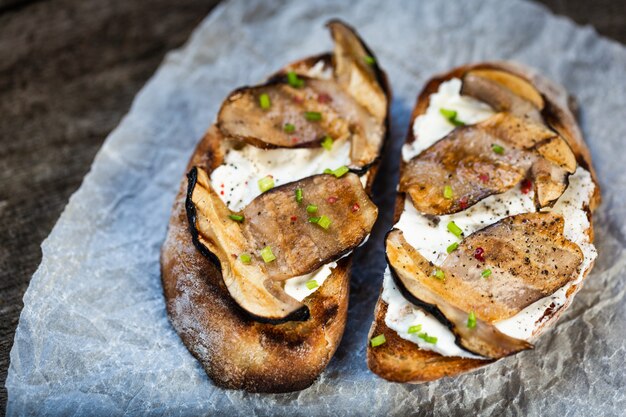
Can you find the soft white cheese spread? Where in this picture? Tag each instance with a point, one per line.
(431, 237)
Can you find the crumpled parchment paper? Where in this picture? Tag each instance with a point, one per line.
(94, 337)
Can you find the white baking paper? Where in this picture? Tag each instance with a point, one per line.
(94, 338)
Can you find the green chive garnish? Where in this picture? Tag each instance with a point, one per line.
(454, 229)
(266, 183)
(289, 128)
(369, 60)
(314, 219)
(378, 340)
(311, 284)
(294, 80)
(299, 195)
(497, 149)
(236, 217)
(450, 115)
(427, 339)
(486, 273)
(339, 172)
(327, 143)
(471, 320)
(452, 247)
(264, 101)
(267, 254)
(311, 208)
(313, 116)
(439, 274)
(324, 222)
(447, 192)
(245, 258)
(415, 329)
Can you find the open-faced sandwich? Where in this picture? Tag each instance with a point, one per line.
(493, 234)
(256, 261)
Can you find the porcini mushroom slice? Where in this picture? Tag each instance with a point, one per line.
(334, 216)
(502, 96)
(465, 163)
(300, 245)
(289, 117)
(217, 236)
(527, 256)
(357, 71)
(415, 278)
(472, 163)
(317, 109)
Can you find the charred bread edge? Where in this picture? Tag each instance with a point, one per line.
(287, 367)
(400, 360)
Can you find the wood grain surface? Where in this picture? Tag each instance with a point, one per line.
(69, 70)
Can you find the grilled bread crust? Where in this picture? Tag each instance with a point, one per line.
(398, 359)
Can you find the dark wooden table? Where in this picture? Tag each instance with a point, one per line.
(69, 70)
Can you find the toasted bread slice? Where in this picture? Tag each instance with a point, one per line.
(400, 360)
(236, 351)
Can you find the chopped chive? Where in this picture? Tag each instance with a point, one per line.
(327, 143)
(486, 273)
(267, 254)
(427, 339)
(369, 60)
(245, 258)
(452, 247)
(313, 116)
(324, 222)
(339, 172)
(266, 183)
(415, 329)
(236, 217)
(454, 229)
(378, 340)
(312, 284)
(311, 208)
(451, 115)
(314, 219)
(299, 195)
(439, 274)
(289, 128)
(471, 320)
(264, 101)
(294, 80)
(497, 149)
(447, 192)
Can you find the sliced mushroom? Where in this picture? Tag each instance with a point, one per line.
(356, 70)
(222, 240)
(504, 92)
(275, 220)
(415, 278)
(528, 257)
(294, 117)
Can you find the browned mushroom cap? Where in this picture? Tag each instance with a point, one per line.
(415, 278)
(529, 259)
(468, 162)
(344, 217)
(504, 92)
(277, 220)
(465, 162)
(221, 240)
(295, 117)
(356, 70)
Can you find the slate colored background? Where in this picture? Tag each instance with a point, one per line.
(69, 70)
